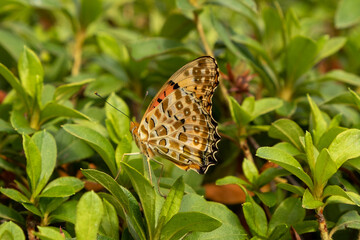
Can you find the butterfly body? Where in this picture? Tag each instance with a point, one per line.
(178, 125)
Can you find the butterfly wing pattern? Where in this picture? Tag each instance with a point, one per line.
(178, 124)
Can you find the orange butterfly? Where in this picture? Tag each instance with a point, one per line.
(178, 124)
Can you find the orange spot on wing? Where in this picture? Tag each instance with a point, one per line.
(168, 90)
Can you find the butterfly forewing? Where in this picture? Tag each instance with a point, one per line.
(178, 124)
(200, 77)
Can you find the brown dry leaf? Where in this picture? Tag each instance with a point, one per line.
(227, 194)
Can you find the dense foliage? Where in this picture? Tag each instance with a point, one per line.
(287, 105)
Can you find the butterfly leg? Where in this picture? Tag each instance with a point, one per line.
(122, 159)
(161, 173)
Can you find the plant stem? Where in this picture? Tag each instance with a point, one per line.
(200, 30)
(79, 40)
(30, 227)
(322, 224)
(245, 148)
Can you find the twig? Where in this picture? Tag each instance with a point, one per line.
(322, 224)
(79, 40)
(200, 30)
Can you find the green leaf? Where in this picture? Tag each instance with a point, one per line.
(177, 26)
(62, 187)
(291, 188)
(230, 229)
(280, 232)
(255, 218)
(65, 91)
(14, 195)
(33, 161)
(286, 161)
(173, 200)
(265, 105)
(308, 226)
(66, 212)
(147, 48)
(48, 205)
(345, 146)
(289, 212)
(185, 5)
(238, 114)
(311, 151)
(341, 76)
(9, 230)
(12, 43)
(268, 198)
(33, 209)
(309, 201)
(287, 109)
(288, 131)
(117, 123)
(108, 83)
(15, 84)
(146, 194)
(347, 13)
(110, 222)
(318, 120)
(46, 144)
(49, 233)
(356, 98)
(330, 47)
(6, 127)
(53, 110)
(255, 46)
(109, 45)
(325, 167)
(245, 8)
(10, 167)
(329, 136)
(11, 214)
(171, 205)
(250, 171)
(99, 143)
(248, 105)
(89, 11)
(31, 74)
(233, 180)
(289, 148)
(89, 212)
(185, 222)
(295, 66)
(269, 174)
(350, 219)
(71, 148)
(116, 71)
(334, 190)
(124, 199)
(19, 123)
(123, 147)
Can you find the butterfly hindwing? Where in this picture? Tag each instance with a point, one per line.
(186, 133)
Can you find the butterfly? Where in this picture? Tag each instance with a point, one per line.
(178, 124)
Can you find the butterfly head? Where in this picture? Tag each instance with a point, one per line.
(134, 127)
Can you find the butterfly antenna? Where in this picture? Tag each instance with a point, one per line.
(111, 105)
